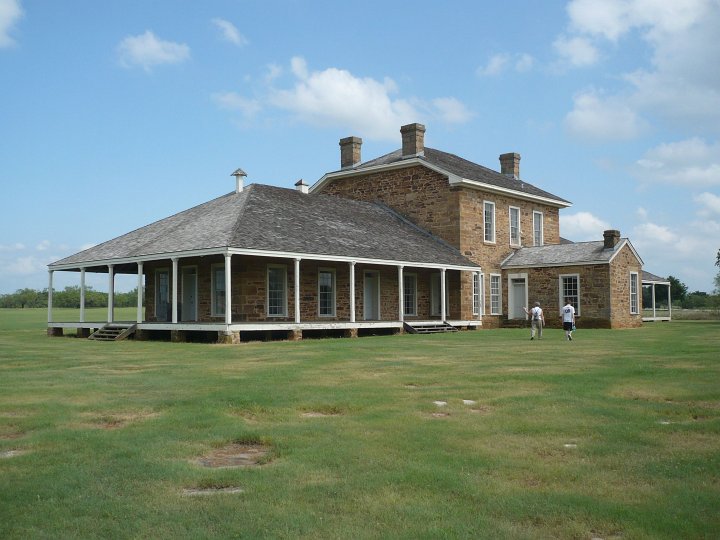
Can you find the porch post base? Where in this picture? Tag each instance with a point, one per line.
(177, 336)
(141, 335)
(295, 335)
(398, 331)
(55, 332)
(83, 333)
(351, 332)
(229, 338)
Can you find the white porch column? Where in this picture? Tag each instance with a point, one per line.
(174, 290)
(443, 292)
(228, 289)
(477, 281)
(297, 290)
(140, 292)
(669, 302)
(50, 295)
(111, 293)
(401, 296)
(352, 291)
(653, 300)
(82, 295)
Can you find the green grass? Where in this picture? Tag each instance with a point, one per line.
(110, 431)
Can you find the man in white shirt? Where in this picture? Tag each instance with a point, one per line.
(568, 318)
(537, 320)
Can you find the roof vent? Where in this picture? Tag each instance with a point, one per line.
(301, 186)
(239, 175)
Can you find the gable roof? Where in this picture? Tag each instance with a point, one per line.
(577, 253)
(279, 220)
(458, 170)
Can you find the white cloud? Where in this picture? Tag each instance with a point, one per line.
(336, 98)
(10, 13)
(577, 51)
(500, 62)
(43, 245)
(24, 266)
(692, 162)
(678, 86)
(582, 226)
(451, 110)
(496, 64)
(17, 246)
(236, 102)
(230, 32)
(146, 50)
(597, 117)
(641, 213)
(709, 203)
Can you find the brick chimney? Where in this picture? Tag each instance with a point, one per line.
(510, 164)
(611, 237)
(350, 152)
(413, 140)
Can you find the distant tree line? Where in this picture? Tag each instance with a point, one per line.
(693, 300)
(67, 298)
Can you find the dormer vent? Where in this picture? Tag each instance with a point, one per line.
(239, 175)
(301, 186)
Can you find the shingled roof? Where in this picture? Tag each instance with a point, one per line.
(272, 219)
(461, 168)
(565, 254)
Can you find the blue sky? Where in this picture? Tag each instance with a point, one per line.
(115, 114)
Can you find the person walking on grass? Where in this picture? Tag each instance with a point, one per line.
(537, 320)
(568, 318)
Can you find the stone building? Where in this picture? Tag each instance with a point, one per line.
(413, 240)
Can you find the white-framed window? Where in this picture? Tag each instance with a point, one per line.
(162, 294)
(217, 288)
(514, 226)
(489, 220)
(495, 295)
(634, 308)
(476, 294)
(482, 293)
(538, 234)
(276, 290)
(326, 292)
(410, 294)
(570, 290)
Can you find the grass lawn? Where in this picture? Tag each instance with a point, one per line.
(613, 435)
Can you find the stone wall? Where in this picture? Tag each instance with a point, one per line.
(454, 214)
(249, 289)
(620, 267)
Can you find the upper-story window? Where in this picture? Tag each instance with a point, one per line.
(514, 226)
(489, 219)
(538, 239)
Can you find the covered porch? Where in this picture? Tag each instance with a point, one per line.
(656, 300)
(231, 295)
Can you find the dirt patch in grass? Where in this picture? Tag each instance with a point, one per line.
(12, 414)
(12, 453)
(114, 420)
(480, 409)
(199, 492)
(440, 414)
(236, 454)
(8, 433)
(322, 411)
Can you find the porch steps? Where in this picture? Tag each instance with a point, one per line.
(114, 332)
(436, 327)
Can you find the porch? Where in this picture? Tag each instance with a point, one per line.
(232, 295)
